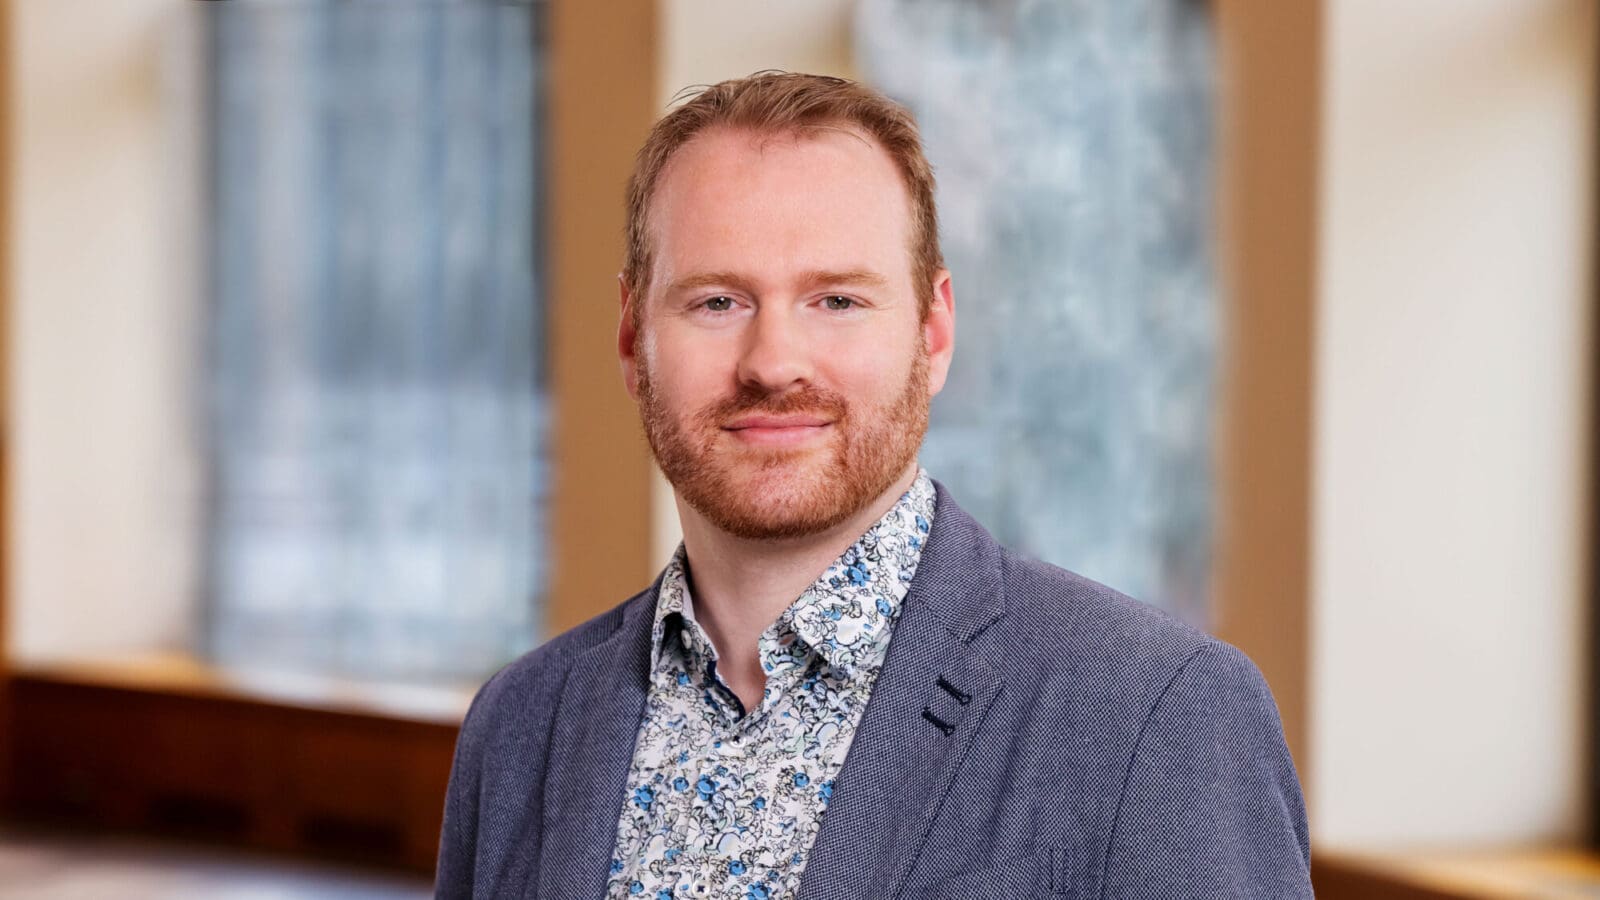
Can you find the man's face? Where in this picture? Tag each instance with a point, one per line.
(780, 364)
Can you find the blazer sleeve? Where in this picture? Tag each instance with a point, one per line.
(1211, 805)
(458, 836)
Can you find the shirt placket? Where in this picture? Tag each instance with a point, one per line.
(700, 659)
(707, 748)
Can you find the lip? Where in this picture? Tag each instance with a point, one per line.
(777, 431)
(793, 421)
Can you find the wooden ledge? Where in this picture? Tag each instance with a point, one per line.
(187, 676)
(1547, 873)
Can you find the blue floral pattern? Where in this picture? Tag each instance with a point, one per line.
(725, 804)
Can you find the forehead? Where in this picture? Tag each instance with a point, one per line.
(735, 200)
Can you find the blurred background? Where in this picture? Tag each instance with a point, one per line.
(1281, 316)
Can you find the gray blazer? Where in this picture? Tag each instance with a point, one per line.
(1031, 734)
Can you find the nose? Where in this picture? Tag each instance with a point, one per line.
(777, 355)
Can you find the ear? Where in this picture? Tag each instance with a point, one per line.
(627, 335)
(939, 331)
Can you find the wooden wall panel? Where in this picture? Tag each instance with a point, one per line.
(601, 96)
(1334, 879)
(231, 770)
(1270, 115)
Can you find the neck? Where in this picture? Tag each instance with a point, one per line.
(740, 586)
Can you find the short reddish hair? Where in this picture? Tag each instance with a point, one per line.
(780, 103)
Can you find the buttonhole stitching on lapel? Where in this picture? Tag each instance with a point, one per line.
(961, 698)
(942, 725)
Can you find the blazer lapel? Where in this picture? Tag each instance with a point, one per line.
(929, 700)
(590, 753)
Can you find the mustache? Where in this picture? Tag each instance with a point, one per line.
(808, 400)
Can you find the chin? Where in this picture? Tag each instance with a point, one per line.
(763, 523)
(779, 497)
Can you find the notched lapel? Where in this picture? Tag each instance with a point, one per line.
(913, 738)
(929, 701)
(592, 749)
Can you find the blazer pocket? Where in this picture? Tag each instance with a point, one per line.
(1031, 875)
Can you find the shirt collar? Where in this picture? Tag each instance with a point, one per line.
(847, 613)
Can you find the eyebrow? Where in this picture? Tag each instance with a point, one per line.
(812, 279)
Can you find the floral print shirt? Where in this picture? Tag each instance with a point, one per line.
(723, 803)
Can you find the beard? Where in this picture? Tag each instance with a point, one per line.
(775, 493)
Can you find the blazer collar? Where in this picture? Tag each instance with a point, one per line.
(959, 576)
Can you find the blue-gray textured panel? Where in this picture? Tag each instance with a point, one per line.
(1072, 140)
(375, 340)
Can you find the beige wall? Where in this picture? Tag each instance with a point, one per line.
(706, 41)
(1450, 461)
(102, 516)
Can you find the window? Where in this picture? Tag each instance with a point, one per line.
(376, 407)
(1078, 417)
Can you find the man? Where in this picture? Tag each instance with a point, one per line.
(841, 686)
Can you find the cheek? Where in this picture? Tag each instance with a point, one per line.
(871, 375)
(683, 375)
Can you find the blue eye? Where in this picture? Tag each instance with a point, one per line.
(719, 304)
(838, 303)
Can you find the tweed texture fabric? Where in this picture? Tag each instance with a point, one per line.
(1031, 734)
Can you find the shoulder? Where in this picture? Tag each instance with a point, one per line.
(1120, 699)
(1062, 632)
(1041, 623)
(1062, 642)
(1165, 704)
(1061, 611)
